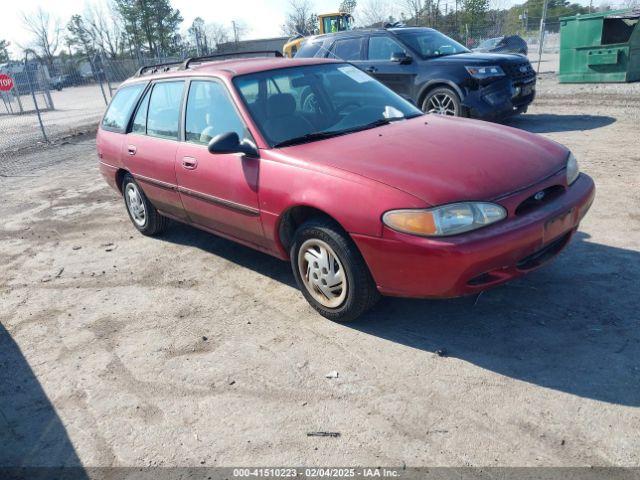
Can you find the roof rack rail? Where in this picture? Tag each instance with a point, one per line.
(156, 68)
(189, 61)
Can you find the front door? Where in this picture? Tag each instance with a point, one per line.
(218, 191)
(398, 77)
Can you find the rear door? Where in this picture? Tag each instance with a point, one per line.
(151, 145)
(396, 76)
(219, 191)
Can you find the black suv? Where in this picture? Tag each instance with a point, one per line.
(434, 71)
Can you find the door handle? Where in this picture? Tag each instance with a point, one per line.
(131, 149)
(189, 163)
(371, 69)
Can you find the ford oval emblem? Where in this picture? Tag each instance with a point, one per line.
(539, 196)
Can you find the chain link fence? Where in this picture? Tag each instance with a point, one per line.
(48, 102)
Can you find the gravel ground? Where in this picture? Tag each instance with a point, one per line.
(188, 349)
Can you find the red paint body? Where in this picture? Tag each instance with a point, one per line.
(355, 178)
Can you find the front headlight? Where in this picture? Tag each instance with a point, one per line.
(448, 219)
(573, 170)
(482, 73)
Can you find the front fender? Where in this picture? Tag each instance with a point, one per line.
(355, 202)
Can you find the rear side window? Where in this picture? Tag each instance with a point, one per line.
(210, 112)
(140, 119)
(309, 49)
(347, 49)
(383, 47)
(121, 106)
(163, 116)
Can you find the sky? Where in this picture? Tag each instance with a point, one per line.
(262, 17)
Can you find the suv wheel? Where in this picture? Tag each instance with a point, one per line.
(142, 213)
(442, 101)
(330, 271)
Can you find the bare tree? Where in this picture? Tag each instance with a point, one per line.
(300, 19)
(374, 13)
(46, 31)
(104, 25)
(216, 33)
(415, 9)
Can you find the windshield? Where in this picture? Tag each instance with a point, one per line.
(430, 43)
(302, 104)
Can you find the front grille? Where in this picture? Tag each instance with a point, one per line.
(539, 199)
(519, 72)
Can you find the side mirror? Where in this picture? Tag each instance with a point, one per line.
(401, 57)
(230, 143)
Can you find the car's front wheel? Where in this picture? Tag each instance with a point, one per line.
(142, 213)
(442, 101)
(330, 271)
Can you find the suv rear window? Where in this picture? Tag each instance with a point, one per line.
(121, 106)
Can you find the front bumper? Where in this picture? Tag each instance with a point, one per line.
(500, 99)
(409, 266)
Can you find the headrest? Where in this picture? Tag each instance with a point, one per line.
(281, 104)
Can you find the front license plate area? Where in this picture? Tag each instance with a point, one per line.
(558, 225)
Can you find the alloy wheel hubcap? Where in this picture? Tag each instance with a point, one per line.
(135, 204)
(441, 104)
(322, 273)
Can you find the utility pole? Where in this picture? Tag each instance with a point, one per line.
(542, 25)
(235, 31)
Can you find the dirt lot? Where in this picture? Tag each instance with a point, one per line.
(116, 349)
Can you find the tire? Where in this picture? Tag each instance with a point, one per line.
(442, 101)
(358, 292)
(142, 213)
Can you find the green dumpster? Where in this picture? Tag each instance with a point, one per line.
(600, 47)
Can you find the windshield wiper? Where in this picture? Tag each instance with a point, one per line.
(307, 137)
(311, 137)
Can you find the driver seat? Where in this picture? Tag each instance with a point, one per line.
(282, 120)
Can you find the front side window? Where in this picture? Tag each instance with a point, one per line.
(348, 49)
(210, 112)
(121, 106)
(430, 43)
(383, 47)
(163, 116)
(300, 104)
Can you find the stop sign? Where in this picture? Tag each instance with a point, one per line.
(6, 83)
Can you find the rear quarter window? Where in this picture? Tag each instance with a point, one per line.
(121, 106)
(309, 49)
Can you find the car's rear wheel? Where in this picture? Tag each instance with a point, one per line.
(142, 213)
(442, 101)
(330, 271)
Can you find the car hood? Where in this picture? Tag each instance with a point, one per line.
(440, 159)
(482, 58)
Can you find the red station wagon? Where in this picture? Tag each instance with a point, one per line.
(362, 192)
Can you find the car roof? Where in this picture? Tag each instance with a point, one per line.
(232, 67)
(367, 31)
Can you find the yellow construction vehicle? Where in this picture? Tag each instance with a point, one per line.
(327, 23)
